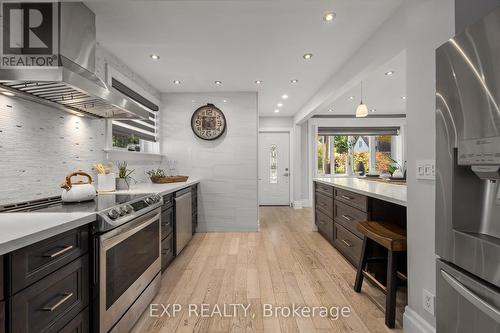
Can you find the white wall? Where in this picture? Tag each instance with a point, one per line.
(275, 122)
(428, 24)
(227, 167)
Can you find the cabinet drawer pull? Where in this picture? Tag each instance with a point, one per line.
(347, 217)
(346, 197)
(346, 243)
(58, 253)
(66, 297)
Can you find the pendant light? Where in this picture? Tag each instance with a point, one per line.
(362, 110)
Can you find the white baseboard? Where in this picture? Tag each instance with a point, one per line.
(306, 203)
(297, 204)
(413, 323)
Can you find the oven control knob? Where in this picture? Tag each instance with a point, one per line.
(113, 214)
(123, 210)
(149, 201)
(129, 209)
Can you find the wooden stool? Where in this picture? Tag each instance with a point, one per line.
(393, 238)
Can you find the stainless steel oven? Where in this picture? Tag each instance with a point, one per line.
(129, 271)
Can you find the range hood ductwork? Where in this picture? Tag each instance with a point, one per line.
(73, 85)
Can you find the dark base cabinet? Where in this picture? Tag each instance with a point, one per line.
(338, 211)
(167, 251)
(51, 303)
(2, 317)
(194, 199)
(48, 286)
(79, 324)
(167, 231)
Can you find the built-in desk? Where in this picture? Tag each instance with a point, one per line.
(341, 203)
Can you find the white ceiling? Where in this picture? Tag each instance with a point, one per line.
(238, 42)
(380, 92)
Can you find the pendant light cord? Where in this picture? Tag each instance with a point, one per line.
(361, 92)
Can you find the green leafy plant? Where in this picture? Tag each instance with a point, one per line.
(123, 171)
(394, 165)
(156, 173)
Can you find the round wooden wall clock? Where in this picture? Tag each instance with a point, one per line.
(208, 122)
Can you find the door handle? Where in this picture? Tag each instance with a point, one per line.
(469, 295)
(58, 253)
(59, 303)
(347, 217)
(346, 243)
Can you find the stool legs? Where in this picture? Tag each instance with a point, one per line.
(362, 263)
(390, 299)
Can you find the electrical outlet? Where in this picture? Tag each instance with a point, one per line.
(428, 301)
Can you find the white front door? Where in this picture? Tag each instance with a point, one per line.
(274, 168)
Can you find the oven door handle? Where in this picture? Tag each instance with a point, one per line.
(107, 243)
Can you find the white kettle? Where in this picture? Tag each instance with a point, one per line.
(79, 191)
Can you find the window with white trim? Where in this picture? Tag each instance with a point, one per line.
(352, 151)
(135, 135)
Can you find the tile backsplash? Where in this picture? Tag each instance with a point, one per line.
(39, 145)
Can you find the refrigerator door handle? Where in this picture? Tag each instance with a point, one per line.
(481, 304)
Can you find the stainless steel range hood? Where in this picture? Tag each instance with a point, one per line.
(73, 84)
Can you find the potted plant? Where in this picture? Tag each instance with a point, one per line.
(156, 175)
(397, 170)
(122, 182)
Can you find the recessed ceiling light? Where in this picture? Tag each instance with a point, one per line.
(279, 105)
(330, 110)
(294, 81)
(218, 83)
(225, 100)
(389, 73)
(284, 96)
(177, 82)
(329, 16)
(351, 97)
(193, 101)
(276, 111)
(154, 56)
(307, 56)
(8, 93)
(403, 97)
(258, 82)
(373, 110)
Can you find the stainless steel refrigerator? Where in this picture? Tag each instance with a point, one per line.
(467, 179)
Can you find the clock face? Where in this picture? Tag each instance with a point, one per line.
(208, 122)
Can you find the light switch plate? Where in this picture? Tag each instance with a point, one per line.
(426, 169)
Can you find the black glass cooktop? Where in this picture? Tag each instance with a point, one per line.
(100, 203)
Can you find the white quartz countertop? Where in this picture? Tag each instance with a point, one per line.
(141, 188)
(18, 230)
(384, 191)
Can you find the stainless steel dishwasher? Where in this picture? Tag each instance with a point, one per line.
(183, 218)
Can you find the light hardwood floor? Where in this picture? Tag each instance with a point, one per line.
(282, 264)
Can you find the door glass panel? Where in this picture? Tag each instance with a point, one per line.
(273, 165)
(126, 261)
